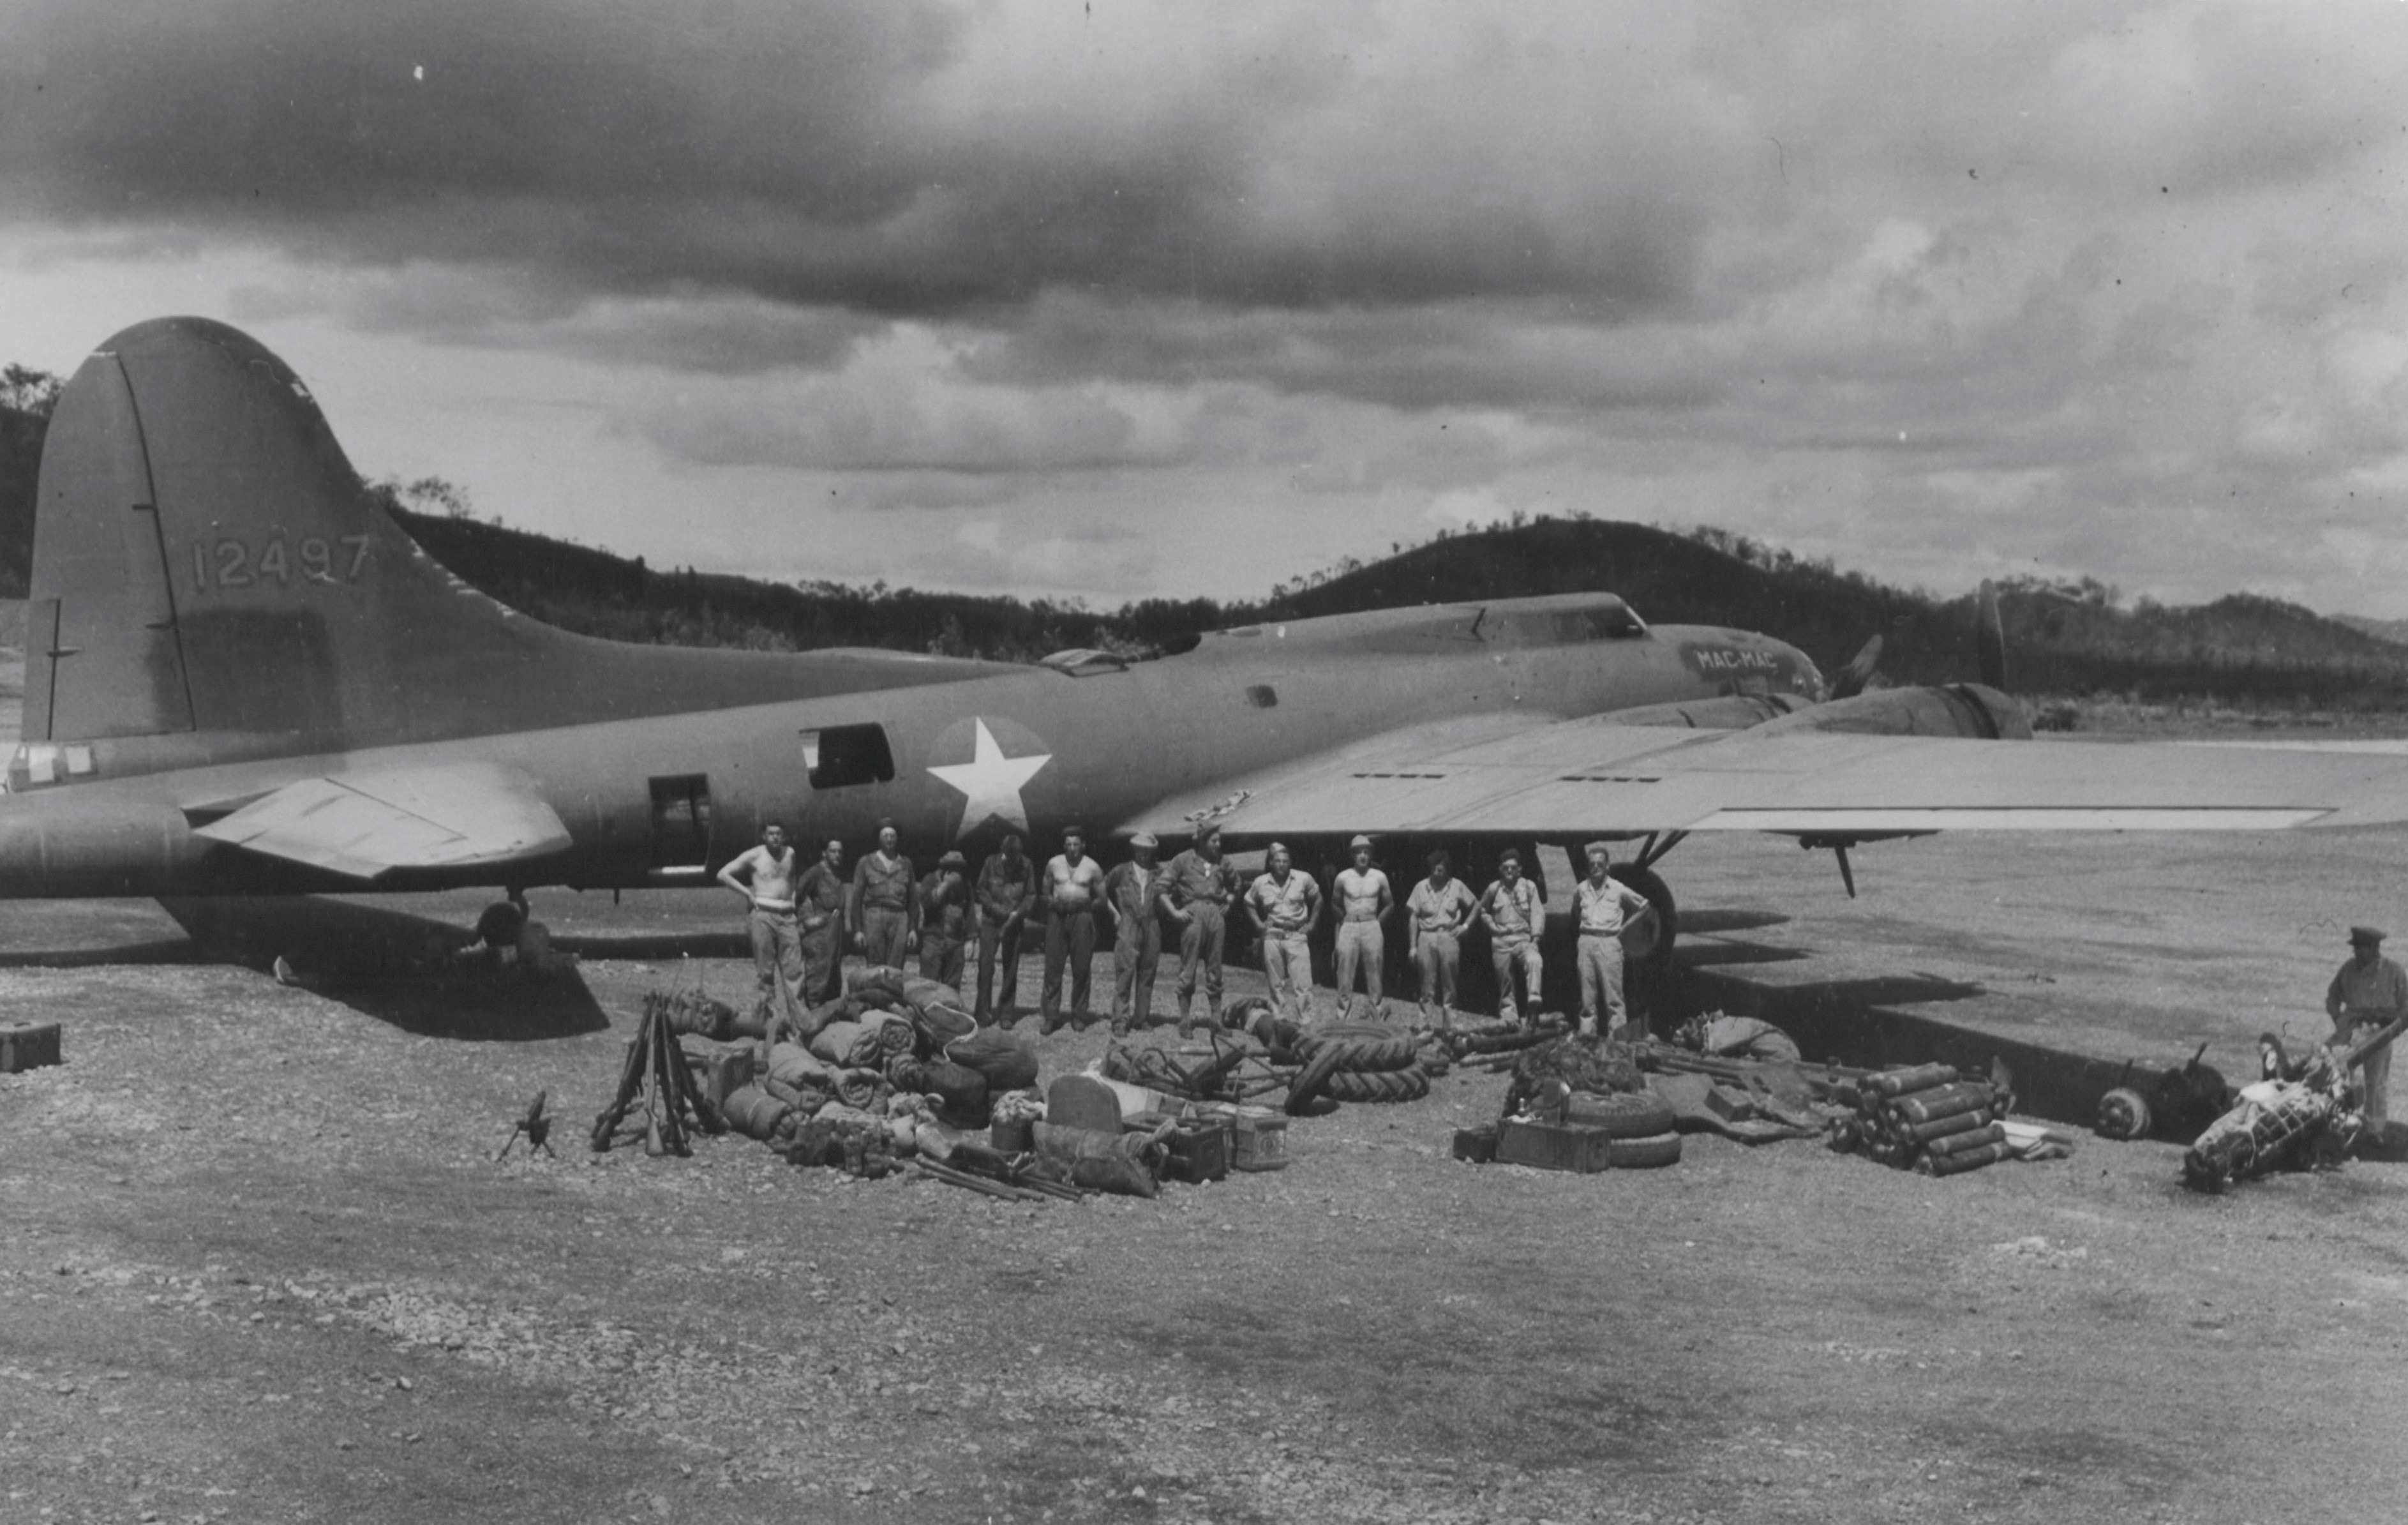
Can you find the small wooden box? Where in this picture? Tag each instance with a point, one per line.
(27, 1046)
(1553, 1146)
(1260, 1140)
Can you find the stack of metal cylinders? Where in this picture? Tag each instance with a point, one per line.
(1925, 1118)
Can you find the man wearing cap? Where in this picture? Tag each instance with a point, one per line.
(2370, 991)
(819, 898)
(944, 920)
(1134, 893)
(1073, 884)
(1006, 892)
(1196, 891)
(885, 902)
(765, 876)
(1285, 906)
(1437, 912)
(1364, 900)
(1514, 911)
(1603, 905)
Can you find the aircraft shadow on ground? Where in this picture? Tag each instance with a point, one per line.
(174, 950)
(398, 967)
(1736, 919)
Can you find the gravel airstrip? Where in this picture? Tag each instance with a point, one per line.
(260, 1264)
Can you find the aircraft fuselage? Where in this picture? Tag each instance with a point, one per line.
(664, 800)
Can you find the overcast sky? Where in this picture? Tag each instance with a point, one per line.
(1114, 300)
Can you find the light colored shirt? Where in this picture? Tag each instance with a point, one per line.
(1601, 908)
(1359, 894)
(1069, 888)
(1438, 910)
(1286, 908)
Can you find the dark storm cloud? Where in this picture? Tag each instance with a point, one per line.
(879, 156)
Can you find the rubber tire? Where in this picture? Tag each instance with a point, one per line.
(1310, 1082)
(2123, 1113)
(1658, 955)
(1621, 1114)
(1362, 1046)
(1651, 1152)
(1378, 1085)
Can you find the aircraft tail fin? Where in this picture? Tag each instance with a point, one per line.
(206, 559)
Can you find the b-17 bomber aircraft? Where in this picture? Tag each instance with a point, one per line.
(243, 678)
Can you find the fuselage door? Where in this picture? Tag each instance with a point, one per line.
(682, 822)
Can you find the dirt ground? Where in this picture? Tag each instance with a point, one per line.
(261, 1265)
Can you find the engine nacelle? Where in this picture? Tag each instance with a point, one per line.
(1967, 710)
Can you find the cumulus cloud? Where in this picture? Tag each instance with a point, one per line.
(1915, 288)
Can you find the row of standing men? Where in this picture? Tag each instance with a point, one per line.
(801, 920)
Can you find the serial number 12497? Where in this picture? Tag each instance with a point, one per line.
(313, 558)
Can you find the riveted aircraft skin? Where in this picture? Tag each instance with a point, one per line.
(243, 678)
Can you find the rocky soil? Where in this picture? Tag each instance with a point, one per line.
(260, 1264)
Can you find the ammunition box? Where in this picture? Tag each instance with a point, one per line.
(27, 1046)
(1553, 1146)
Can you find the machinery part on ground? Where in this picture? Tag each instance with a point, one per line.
(1362, 1046)
(1649, 1152)
(1310, 1082)
(1407, 1085)
(1621, 1115)
(2277, 1121)
(27, 1046)
(2123, 1113)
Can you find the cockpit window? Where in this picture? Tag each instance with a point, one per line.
(1616, 623)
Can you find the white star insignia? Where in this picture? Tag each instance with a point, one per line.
(992, 783)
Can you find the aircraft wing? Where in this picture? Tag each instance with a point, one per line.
(1534, 776)
(367, 824)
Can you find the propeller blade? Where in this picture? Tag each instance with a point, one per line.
(1849, 681)
(1990, 638)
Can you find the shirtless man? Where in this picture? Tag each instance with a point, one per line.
(1074, 884)
(765, 876)
(1364, 899)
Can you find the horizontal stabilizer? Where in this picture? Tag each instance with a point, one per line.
(367, 824)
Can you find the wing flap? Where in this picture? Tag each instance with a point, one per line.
(365, 824)
(1529, 776)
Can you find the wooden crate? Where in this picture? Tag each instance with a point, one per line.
(1553, 1146)
(27, 1046)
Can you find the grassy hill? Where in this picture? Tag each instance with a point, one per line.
(2064, 640)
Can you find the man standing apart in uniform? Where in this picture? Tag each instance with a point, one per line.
(944, 920)
(765, 876)
(1073, 883)
(1006, 891)
(819, 897)
(1284, 907)
(1437, 909)
(1200, 887)
(2369, 991)
(1363, 902)
(1514, 913)
(1134, 892)
(1602, 905)
(885, 902)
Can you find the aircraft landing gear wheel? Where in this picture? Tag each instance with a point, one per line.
(1647, 951)
(498, 926)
